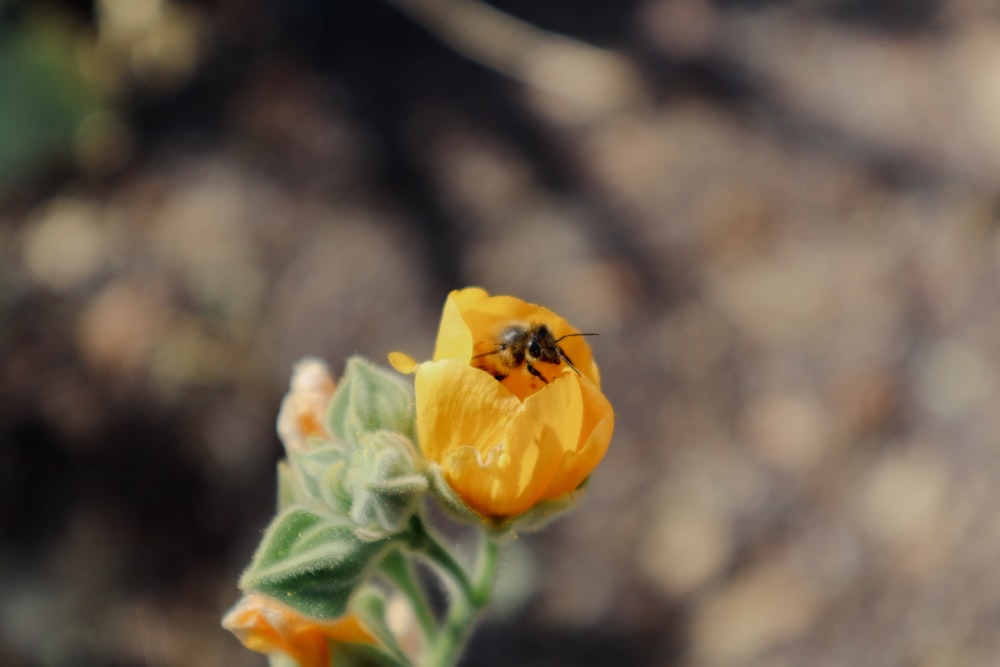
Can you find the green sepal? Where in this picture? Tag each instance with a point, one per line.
(310, 562)
(291, 487)
(536, 518)
(454, 505)
(371, 399)
(541, 514)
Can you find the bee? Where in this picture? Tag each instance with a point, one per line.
(527, 345)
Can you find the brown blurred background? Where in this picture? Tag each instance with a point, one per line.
(781, 216)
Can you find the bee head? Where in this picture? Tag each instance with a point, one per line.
(540, 341)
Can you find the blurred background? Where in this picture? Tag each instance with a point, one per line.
(782, 216)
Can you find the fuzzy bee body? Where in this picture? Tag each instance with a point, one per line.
(524, 346)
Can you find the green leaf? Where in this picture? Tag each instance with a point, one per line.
(310, 562)
(318, 471)
(370, 399)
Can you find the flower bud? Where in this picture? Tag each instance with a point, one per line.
(302, 417)
(366, 468)
(267, 626)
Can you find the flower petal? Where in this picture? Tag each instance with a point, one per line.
(558, 406)
(510, 478)
(460, 406)
(463, 298)
(265, 625)
(312, 375)
(403, 362)
(454, 340)
(595, 436)
(304, 407)
(488, 484)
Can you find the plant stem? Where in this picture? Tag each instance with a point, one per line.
(399, 570)
(469, 595)
(486, 567)
(379, 656)
(426, 544)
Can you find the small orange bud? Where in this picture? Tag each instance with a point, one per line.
(265, 625)
(303, 411)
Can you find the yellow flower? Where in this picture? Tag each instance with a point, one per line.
(265, 625)
(303, 411)
(505, 438)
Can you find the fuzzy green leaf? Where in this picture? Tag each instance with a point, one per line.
(310, 562)
(370, 399)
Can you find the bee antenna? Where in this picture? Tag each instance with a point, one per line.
(486, 354)
(564, 356)
(576, 334)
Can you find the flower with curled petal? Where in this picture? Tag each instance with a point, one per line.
(507, 439)
(265, 625)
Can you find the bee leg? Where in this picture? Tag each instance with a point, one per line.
(569, 362)
(565, 357)
(499, 376)
(537, 373)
